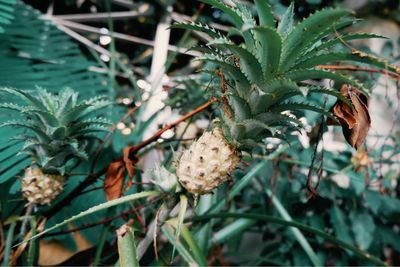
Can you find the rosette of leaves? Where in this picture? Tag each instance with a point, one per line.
(57, 131)
(262, 75)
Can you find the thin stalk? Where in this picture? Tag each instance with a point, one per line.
(33, 248)
(7, 251)
(232, 230)
(103, 238)
(296, 232)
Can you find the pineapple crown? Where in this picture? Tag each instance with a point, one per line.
(58, 127)
(267, 67)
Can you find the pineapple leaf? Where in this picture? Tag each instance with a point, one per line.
(26, 97)
(247, 61)
(305, 74)
(338, 40)
(84, 109)
(242, 84)
(76, 127)
(237, 131)
(67, 99)
(278, 119)
(285, 26)
(47, 99)
(196, 26)
(47, 117)
(240, 108)
(306, 33)
(269, 50)
(280, 90)
(231, 12)
(302, 106)
(265, 13)
(256, 128)
(59, 133)
(341, 56)
(90, 129)
(12, 106)
(259, 102)
(236, 17)
(328, 91)
(40, 134)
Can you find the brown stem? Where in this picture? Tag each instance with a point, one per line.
(172, 125)
(355, 68)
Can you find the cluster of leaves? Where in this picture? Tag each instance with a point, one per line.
(354, 224)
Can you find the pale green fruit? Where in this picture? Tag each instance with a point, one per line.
(40, 188)
(207, 163)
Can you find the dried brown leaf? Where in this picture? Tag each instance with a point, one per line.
(355, 120)
(114, 180)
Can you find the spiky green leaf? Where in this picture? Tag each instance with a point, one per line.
(265, 13)
(269, 50)
(247, 61)
(306, 33)
(285, 26)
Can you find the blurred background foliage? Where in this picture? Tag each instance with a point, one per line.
(107, 47)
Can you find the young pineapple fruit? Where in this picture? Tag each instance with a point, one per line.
(57, 133)
(207, 163)
(261, 82)
(40, 188)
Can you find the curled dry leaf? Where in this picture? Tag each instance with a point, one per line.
(114, 180)
(130, 161)
(355, 120)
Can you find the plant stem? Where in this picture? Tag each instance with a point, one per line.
(296, 232)
(7, 251)
(356, 68)
(153, 228)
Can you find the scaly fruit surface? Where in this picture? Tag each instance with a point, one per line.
(207, 163)
(40, 188)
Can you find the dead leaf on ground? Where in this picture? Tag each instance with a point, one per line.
(355, 120)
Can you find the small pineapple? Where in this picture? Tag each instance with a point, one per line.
(40, 188)
(262, 82)
(207, 163)
(57, 133)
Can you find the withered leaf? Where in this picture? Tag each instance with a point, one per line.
(113, 182)
(130, 161)
(355, 120)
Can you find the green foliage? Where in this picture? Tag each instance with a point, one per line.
(33, 54)
(266, 202)
(272, 61)
(6, 13)
(59, 127)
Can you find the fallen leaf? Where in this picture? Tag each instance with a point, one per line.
(355, 120)
(113, 183)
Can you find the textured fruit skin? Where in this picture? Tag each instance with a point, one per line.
(207, 163)
(40, 188)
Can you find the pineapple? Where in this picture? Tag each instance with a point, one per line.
(40, 188)
(57, 133)
(262, 82)
(207, 163)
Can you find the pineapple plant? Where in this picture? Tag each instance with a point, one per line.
(264, 86)
(57, 133)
